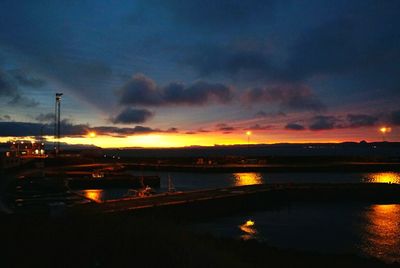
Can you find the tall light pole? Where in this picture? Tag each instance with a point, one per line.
(248, 133)
(57, 123)
(384, 130)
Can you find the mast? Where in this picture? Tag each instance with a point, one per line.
(57, 123)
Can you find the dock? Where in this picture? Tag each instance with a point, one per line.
(243, 198)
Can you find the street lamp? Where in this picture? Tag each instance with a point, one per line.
(248, 133)
(384, 130)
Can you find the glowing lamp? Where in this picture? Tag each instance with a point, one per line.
(249, 223)
(385, 130)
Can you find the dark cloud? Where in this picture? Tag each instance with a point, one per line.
(322, 122)
(361, 120)
(132, 116)
(207, 15)
(19, 100)
(270, 114)
(235, 62)
(395, 117)
(258, 127)
(21, 129)
(327, 122)
(122, 132)
(172, 130)
(226, 129)
(289, 97)
(294, 126)
(49, 117)
(5, 117)
(9, 89)
(24, 79)
(141, 90)
(357, 45)
(360, 45)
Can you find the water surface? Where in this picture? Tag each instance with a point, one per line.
(357, 228)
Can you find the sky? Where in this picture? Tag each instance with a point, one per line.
(169, 73)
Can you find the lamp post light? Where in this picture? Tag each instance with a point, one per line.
(384, 130)
(248, 133)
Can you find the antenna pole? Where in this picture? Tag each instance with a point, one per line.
(57, 123)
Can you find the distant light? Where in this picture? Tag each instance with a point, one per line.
(385, 129)
(248, 133)
(249, 223)
(92, 134)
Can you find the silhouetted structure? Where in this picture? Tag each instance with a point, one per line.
(57, 123)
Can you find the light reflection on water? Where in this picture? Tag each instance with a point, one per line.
(381, 234)
(101, 195)
(204, 180)
(249, 230)
(383, 177)
(361, 229)
(95, 195)
(242, 179)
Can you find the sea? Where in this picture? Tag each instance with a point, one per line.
(365, 229)
(370, 230)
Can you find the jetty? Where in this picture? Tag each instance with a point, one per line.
(211, 202)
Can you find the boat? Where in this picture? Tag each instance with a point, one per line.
(146, 191)
(102, 180)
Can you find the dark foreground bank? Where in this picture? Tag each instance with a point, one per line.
(128, 241)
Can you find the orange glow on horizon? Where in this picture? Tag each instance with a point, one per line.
(171, 140)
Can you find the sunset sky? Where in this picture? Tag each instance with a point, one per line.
(159, 73)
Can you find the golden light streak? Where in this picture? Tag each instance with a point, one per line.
(384, 177)
(242, 179)
(382, 232)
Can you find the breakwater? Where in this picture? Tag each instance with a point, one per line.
(214, 202)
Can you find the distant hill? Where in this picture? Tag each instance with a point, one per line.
(381, 149)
